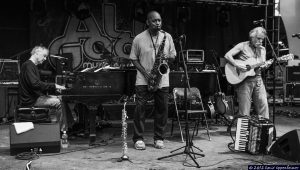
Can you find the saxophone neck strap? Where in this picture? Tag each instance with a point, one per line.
(151, 37)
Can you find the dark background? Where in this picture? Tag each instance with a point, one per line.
(217, 27)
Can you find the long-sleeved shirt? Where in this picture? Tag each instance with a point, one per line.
(31, 86)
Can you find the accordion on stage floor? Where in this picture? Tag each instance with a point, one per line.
(253, 135)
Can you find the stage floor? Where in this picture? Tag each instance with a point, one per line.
(81, 156)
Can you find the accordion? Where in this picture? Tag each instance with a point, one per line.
(253, 135)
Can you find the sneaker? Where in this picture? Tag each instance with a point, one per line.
(139, 145)
(159, 144)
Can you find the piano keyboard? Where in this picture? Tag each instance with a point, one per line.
(242, 134)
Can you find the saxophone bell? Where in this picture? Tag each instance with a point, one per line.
(163, 68)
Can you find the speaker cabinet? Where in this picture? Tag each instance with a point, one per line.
(292, 74)
(292, 92)
(44, 136)
(288, 146)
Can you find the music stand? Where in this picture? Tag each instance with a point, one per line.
(188, 148)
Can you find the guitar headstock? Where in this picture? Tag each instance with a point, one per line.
(286, 57)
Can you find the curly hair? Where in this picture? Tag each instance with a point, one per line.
(258, 30)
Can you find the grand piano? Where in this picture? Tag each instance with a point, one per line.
(94, 88)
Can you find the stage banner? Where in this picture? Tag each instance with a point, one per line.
(91, 33)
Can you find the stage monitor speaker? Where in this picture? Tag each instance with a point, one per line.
(44, 136)
(288, 146)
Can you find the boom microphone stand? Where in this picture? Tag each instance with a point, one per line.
(275, 58)
(274, 64)
(188, 150)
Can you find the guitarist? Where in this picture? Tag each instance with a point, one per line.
(252, 88)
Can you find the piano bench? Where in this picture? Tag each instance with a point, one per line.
(32, 114)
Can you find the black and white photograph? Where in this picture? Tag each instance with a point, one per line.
(149, 84)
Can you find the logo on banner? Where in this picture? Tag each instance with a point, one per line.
(90, 43)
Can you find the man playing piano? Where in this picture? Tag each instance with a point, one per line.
(32, 89)
(252, 88)
(145, 47)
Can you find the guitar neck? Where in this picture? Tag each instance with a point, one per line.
(258, 64)
(282, 58)
(234, 76)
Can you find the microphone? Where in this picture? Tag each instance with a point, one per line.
(181, 36)
(280, 43)
(258, 21)
(296, 35)
(68, 73)
(58, 57)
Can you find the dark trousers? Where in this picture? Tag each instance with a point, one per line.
(160, 112)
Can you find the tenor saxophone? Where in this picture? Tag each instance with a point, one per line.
(159, 68)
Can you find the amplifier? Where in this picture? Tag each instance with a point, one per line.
(9, 100)
(44, 136)
(192, 56)
(293, 74)
(292, 92)
(9, 70)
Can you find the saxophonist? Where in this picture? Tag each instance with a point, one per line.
(150, 52)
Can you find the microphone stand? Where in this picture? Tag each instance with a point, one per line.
(297, 35)
(275, 57)
(188, 150)
(20, 53)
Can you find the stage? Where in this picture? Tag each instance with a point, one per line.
(81, 156)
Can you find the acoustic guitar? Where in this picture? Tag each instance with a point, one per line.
(221, 104)
(235, 76)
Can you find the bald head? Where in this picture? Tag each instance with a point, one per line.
(151, 14)
(154, 21)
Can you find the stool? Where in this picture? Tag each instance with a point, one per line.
(32, 114)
